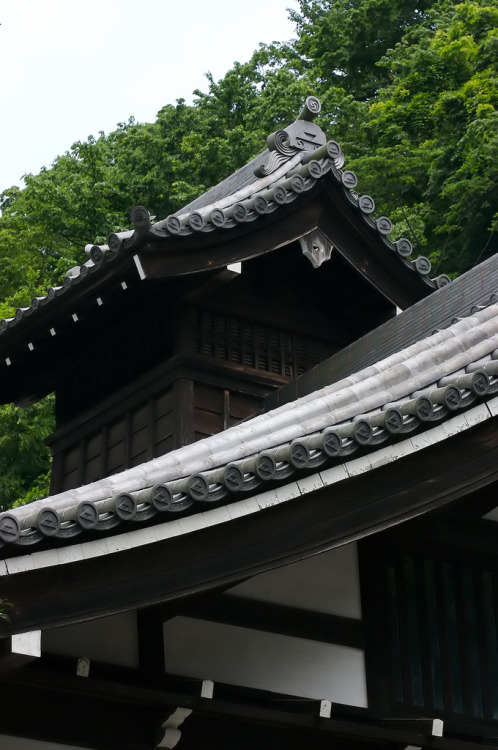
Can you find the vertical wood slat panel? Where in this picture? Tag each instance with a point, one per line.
(394, 636)
(472, 646)
(226, 409)
(404, 633)
(94, 457)
(442, 642)
(485, 638)
(463, 634)
(116, 452)
(433, 637)
(127, 440)
(136, 436)
(422, 586)
(453, 664)
(82, 462)
(413, 637)
(449, 686)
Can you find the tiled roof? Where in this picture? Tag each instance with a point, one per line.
(298, 160)
(410, 390)
(474, 290)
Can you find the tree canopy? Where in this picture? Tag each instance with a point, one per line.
(409, 88)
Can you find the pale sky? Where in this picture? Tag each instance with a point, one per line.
(71, 69)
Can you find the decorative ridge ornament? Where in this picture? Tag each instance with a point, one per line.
(312, 107)
(273, 161)
(302, 135)
(316, 247)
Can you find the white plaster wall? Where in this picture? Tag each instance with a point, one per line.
(328, 583)
(113, 640)
(268, 661)
(19, 743)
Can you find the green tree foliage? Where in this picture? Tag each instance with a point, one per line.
(24, 458)
(408, 87)
(342, 43)
(429, 146)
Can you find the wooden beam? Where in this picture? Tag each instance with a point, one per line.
(118, 710)
(150, 642)
(276, 618)
(253, 614)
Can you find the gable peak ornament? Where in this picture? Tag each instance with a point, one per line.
(301, 135)
(316, 247)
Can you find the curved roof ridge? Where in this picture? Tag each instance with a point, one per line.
(246, 192)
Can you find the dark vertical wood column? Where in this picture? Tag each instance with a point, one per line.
(183, 412)
(151, 642)
(56, 473)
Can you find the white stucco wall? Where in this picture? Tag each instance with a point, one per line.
(327, 583)
(268, 661)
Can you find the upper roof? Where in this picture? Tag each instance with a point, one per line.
(297, 189)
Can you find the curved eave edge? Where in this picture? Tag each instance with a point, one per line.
(248, 216)
(158, 255)
(300, 488)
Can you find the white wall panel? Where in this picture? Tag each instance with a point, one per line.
(324, 583)
(268, 661)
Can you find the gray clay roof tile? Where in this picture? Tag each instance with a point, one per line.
(408, 390)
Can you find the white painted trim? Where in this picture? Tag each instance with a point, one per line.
(437, 728)
(139, 266)
(325, 709)
(275, 496)
(207, 689)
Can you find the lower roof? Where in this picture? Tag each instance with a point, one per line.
(219, 546)
(407, 392)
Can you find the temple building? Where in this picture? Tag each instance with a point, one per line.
(273, 510)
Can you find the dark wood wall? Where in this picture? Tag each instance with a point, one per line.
(186, 358)
(234, 364)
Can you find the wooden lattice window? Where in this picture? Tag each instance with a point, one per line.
(256, 346)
